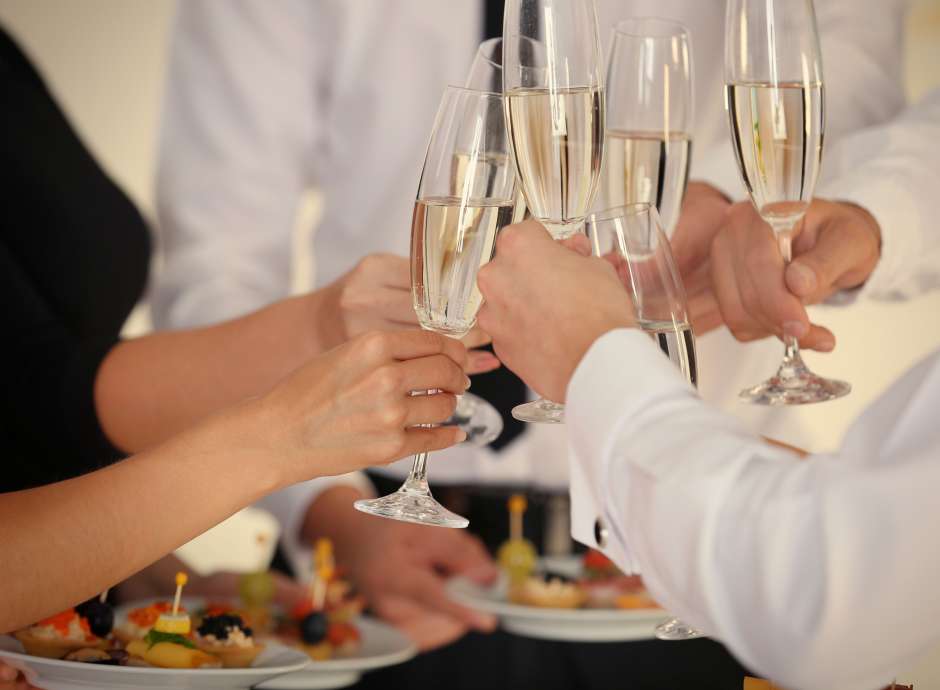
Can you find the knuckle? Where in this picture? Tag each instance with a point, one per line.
(387, 379)
(374, 345)
(393, 416)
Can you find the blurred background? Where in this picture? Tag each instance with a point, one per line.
(115, 105)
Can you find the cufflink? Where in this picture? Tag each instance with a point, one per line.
(600, 534)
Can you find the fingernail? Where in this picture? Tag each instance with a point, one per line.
(461, 436)
(802, 278)
(827, 345)
(466, 382)
(797, 329)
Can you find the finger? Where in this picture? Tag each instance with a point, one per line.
(476, 338)
(727, 292)
(481, 362)
(287, 591)
(463, 554)
(382, 346)
(426, 628)
(435, 372)
(429, 590)
(429, 409)
(7, 673)
(396, 271)
(704, 313)
(819, 338)
(843, 257)
(418, 440)
(390, 304)
(578, 243)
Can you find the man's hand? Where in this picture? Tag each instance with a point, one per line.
(704, 214)
(836, 247)
(402, 569)
(376, 295)
(546, 304)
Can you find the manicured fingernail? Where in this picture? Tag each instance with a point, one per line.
(802, 278)
(797, 329)
(461, 436)
(466, 382)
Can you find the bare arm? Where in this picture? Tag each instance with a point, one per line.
(345, 410)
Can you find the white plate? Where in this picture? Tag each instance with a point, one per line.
(573, 625)
(53, 674)
(382, 645)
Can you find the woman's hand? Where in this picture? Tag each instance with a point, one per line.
(353, 407)
(376, 295)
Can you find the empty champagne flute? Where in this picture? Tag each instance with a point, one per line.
(465, 197)
(775, 101)
(554, 99)
(632, 240)
(649, 117)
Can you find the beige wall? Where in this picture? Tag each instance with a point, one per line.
(105, 61)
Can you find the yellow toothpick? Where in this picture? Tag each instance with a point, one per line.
(517, 506)
(181, 579)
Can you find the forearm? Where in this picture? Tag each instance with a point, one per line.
(333, 516)
(72, 539)
(149, 388)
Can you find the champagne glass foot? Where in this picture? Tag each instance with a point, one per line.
(795, 384)
(540, 412)
(674, 629)
(413, 502)
(479, 420)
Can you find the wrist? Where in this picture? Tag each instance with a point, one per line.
(324, 322)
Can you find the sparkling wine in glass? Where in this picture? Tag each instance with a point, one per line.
(631, 238)
(649, 117)
(776, 106)
(465, 197)
(554, 100)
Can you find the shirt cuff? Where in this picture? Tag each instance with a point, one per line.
(620, 375)
(290, 507)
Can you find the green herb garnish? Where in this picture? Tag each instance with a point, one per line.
(155, 636)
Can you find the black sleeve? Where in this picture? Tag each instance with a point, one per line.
(74, 253)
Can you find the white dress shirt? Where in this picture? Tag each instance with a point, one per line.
(267, 99)
(818, 573)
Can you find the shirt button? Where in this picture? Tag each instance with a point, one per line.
(600, 533)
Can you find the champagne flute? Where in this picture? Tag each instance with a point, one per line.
(631, 238)
(554, 99)
(649, 117)
(465, 197)
(775, 101)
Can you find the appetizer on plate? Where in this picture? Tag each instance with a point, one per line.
(57, 636)
(225, 636)
(322, 626)
(606, 587)
(551, 591)
(168, 644)
(140, 621)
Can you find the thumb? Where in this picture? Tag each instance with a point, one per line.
(830, 264)
(578, 243)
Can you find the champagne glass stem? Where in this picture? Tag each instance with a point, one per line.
(418, 477)
(792, 360)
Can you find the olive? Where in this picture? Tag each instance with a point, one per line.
(313, 627)
(99, 614)
(256, 589)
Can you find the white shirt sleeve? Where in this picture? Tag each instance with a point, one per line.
(290, 507)
(238, 145)
(893, 171)
(817, 573)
